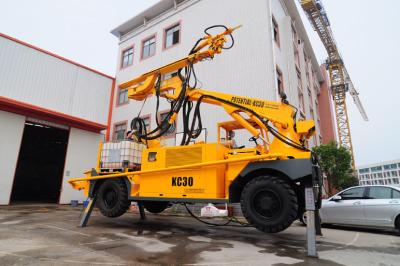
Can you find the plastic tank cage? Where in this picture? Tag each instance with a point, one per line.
(124, 154)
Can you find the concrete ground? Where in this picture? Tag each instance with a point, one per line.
(48, 235)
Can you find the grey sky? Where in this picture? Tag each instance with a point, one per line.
(367, 34)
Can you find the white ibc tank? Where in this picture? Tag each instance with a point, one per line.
(121, 154)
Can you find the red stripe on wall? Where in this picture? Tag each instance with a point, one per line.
(17, 107)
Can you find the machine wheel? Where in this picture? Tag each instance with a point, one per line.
(155, 206)
(269, 204)
(112, 198)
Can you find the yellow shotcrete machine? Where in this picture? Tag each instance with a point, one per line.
(268, 179)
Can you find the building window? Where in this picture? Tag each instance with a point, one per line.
(172, 36)
(279, 79)
(122, 97)
(364, 170)
(316, 107)
(276, 31)
(120, 131)
(294, 36)
(149, 47)
(147, 122)
(172, 130)
(307, 76)
(296, 58)
(301, 100)
(300, 91)
(127, 57)
(312, 113)
(376, 169)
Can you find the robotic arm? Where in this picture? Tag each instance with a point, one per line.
(256, 115)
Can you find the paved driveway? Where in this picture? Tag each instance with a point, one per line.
(48, 235)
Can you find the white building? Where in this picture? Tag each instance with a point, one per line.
(384, 173)
(271, 51)
(52, 111)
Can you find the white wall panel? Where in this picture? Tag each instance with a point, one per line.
(81, 156)
(40, 79)
(10, 141)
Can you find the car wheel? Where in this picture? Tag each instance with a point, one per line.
(303, 218)
(155, 206)
(112, 198)
(269, 203)
(397, 223)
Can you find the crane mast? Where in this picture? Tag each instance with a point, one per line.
(339, 76)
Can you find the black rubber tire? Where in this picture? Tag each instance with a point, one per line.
(269, 204)
(303, 218)
(155, 206)
(112, 198)
(397, 223)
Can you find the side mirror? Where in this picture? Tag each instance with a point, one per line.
(336, 198)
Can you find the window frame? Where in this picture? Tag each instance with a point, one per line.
(300, 91)
(148, 116)
(121, 66)
(374, 187)
(395, 190)
(178, 23)
(117, 103)
(279, 73)
(275, 27)
(119, 123)
(356, 198)
(295, 36)
(148, 38)
(172, 134)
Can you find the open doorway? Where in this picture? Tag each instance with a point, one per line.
(40, 166)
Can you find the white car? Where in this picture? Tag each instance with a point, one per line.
(366, 206)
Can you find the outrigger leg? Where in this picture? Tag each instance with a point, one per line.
(88, 211)
(141, 210)
(89, 208)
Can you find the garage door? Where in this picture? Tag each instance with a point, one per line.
(12, 127)
(81, 156)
